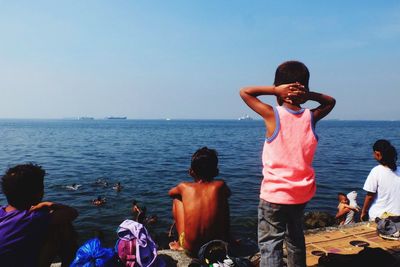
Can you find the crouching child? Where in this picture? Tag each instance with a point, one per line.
(200, 208)
(33, 232)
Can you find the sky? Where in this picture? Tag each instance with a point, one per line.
(188, 59)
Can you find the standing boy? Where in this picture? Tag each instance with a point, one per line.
(289, 179)
(33, 232)
(200, 208)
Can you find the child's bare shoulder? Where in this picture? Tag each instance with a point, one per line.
(220, 184)
(217, 183)
(183, 185)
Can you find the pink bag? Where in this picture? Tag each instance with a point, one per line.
(127, 252)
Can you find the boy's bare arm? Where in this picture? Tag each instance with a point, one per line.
(326, 104)
(351, 207)
(59, 213)
(63, 214)
(250, 97)
(174, 191)
(369, 198)
(341, 212)
(285, 92)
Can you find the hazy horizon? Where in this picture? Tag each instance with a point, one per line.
(170, 119)
(188, 59)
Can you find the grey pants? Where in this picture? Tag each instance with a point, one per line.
(276, 223)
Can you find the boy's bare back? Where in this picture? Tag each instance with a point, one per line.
(206, 211)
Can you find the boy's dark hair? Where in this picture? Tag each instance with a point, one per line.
(388, 153)
(23, 185)
(205, 163)
(291, 72)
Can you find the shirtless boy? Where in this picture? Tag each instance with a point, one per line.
(343, 209)
(200, 208)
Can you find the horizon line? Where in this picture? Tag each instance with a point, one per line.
(170, 119)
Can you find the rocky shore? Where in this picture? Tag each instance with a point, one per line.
(320, 242)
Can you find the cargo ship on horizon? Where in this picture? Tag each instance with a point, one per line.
(116, 118)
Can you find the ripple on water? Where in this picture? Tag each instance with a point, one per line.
(149, 157)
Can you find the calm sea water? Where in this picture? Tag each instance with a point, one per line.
(150, 157)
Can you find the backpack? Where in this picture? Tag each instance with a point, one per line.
(135, 247)
(126, 251)
(388, 228)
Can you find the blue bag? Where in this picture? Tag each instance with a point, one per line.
(92, 254)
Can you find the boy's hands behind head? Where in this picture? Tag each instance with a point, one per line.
(292, 93)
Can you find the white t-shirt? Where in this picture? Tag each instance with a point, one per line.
(386, 184)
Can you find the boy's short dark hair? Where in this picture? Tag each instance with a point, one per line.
(291, 72)
(23, 185)
(205, 163)
(343, 196)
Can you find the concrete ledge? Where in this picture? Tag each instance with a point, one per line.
(175, 258)
(325, 240)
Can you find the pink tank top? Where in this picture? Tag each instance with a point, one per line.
(287, 158)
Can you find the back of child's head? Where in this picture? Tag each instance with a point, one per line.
(205, 163)
(23, 185)
(292, 72)
(388, 153)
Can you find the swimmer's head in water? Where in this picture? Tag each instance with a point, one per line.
(23, 185)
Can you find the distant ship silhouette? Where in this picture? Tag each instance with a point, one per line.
(245, 118)
(116, 118)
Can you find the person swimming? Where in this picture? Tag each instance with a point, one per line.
(139, 214)
(101, 182)
(99, 201)
(117, 187)
(73, 187)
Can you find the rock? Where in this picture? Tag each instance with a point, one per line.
(174, 258)
(318, 219)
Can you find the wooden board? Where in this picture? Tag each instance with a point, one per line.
(340, 240)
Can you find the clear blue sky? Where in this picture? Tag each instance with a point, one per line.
(188, 59)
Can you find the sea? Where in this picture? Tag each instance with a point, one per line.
(148, 157)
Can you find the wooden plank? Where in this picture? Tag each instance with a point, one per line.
(339, 241)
